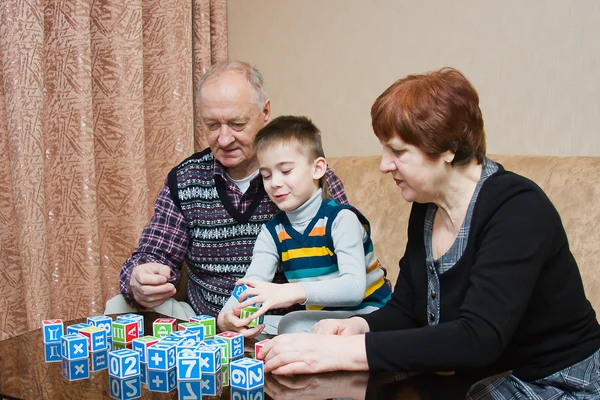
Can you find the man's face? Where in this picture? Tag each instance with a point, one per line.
(231, 120)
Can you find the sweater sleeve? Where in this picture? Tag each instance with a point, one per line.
(348, 289)
(512, 248)
(265, 260)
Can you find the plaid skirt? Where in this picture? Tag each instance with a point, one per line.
(579, 381)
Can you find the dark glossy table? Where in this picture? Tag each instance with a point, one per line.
(25, 375)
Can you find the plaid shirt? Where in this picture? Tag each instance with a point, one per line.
(166, 239)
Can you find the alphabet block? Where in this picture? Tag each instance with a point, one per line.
(235, 342)
(246, 373)
(142, 344)
(209, 323)
(162, 356)
(125, 389)
(162, 381)
(74, 346)
(101, 321)
(163, 327)
(52, 329)
(123, 363)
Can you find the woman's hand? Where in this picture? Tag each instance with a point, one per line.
(269, 295)
(230, 321)
(342, 327)
(308, 353)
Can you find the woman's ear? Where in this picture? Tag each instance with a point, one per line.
(320, 166)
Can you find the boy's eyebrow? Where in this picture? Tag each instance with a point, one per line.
(277, 165)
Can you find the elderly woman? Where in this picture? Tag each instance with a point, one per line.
(487, 281)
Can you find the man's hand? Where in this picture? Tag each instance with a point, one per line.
(230, 321)
(342, 327)
(149, 284)
(269, 295)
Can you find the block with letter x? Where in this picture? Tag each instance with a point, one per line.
(235, 343)
(217, 341)
(210, 359)
(162, 381)
(52, 329)
(74, 346)
(125, 389)
(246, 373)
(75, 370)
(211, 384)
(209, 322)
(162, 356)
(123, 363)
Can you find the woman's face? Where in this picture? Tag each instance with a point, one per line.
(420, 178)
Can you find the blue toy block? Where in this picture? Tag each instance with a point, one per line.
(185, 335)
(96, 337)
(162, 381)
(134, 317)
(246, 373)
(74, 346)
(188, 366)
(144, 373)
(52, 330)
(222, 344)
(189, 390)
(244, 394)
(125, 389)
(235, 343)
(99, 360)
(101, 321)
(123, 363)
(210, 359)
(238, 290)
(142, 344)
(75, 370)
(209, 323)
(52, 352)
(162, 356)
(211, 384)
(172, 339)
(76, 328)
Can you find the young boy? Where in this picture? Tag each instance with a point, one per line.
(324, 247)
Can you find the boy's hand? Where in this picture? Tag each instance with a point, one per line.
(269, 295)
(230, 321)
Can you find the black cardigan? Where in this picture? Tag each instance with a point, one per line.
(514, 300)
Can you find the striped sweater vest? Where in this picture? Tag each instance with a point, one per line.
(311, 256)
(221, 237)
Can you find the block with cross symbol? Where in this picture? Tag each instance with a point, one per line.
(162, 381)
(52, 330)
(101, 321)
(74, 346)
(189, 390)
(123, 363)
(188, 365)
(99, 360)
(247, 394)
(210, 359)
(248, 311)
(162, 356)
(258, 346)
(96, 338)
(141, 345)
(195, 328)
(125, 389)
(210, 325)
(134, 317)
(211, 384)
(162, 327)
(52, 352)
(76, 328)
(75, 370)
(235, 343)
(217, 341)
(125, 330)
(246, 373)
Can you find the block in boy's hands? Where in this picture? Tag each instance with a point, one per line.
(53, 329)
(238, 290)
(246, 312)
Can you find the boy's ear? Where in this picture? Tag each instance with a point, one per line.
(320, 168)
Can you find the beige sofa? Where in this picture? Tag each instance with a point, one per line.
(572, 183)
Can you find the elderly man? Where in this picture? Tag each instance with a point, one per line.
(212, 206)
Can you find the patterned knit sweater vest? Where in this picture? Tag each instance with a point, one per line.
(221, 238)
(311, 256)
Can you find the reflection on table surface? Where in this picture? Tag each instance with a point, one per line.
(25, 375)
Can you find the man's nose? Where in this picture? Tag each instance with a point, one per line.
(225, 136)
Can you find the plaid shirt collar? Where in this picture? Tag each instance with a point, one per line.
(219, 171)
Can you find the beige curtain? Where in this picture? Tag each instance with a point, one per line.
(96, 106)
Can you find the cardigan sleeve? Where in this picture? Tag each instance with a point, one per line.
(511, 249)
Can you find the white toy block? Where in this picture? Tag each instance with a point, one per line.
(209, 323)
(258, 346)
(75, 370)
(235, 343)
(52, 330)
(162, 381)
(74, 346)
(162, 356)
(123, 363)
(142, 344)
(125, 389)
(96, 336)
(246, 373)
(134, 317)
(99, 360)
(101, 321)
(52, 352)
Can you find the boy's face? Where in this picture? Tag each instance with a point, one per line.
(289, 177)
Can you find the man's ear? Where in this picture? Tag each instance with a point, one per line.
(320, 166)
(266, 111)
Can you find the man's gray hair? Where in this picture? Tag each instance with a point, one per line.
(253, 75)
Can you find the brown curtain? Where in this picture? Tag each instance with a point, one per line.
(96, 106)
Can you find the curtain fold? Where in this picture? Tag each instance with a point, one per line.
(96, 106)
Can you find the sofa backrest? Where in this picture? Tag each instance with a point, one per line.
(571, 183)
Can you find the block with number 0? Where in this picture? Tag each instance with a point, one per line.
(125, 389)
(123, 363)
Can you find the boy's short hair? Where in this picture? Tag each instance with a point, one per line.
(298, 130)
